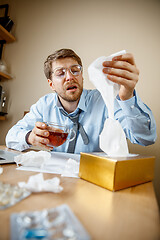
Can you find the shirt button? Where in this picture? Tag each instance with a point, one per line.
(149, 120)
(132, 106)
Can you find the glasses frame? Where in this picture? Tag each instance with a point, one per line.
(65, 70)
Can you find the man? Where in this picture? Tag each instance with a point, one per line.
(63, 70)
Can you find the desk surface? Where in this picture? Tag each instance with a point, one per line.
(131, 213)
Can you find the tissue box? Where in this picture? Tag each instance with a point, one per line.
(116, 173)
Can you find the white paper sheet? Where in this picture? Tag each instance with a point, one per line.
(56, 164)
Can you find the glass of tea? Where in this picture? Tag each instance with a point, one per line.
(58, 134)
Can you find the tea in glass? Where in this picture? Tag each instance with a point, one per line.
(57, 134)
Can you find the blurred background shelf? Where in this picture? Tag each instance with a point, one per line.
(2, 118)
(4, 76)
(5, 35)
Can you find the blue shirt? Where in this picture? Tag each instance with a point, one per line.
(135, 117)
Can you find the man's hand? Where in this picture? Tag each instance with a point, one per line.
(122, 70)
(39, 136)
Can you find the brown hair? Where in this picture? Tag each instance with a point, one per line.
(62, 53)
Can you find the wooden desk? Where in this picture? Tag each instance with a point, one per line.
(127, 214)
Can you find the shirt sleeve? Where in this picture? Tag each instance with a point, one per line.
(16, 136)
(137, 120)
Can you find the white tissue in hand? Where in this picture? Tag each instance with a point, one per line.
(108, 89)
(37, 183)
(32, 158)
(113, 139)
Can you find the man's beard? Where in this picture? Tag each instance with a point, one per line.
(71, 97)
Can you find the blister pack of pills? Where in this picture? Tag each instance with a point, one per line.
(57, 223)
(11, 194)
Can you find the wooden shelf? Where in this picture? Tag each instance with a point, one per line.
(2, 118)
(5, 35)
(4, 76)
(9, 38)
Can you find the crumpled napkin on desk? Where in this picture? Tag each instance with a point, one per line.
(32, 158)
(1, 170)
(112, 138)
(46, 162)
(71, 169)
(37, 183)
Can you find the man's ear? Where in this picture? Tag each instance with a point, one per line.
(51, 84)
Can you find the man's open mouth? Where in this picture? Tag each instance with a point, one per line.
(71, 87)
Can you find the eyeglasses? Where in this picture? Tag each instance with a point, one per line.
(60, 73)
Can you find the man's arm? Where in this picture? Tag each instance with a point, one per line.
(30, 130)
(137, 120)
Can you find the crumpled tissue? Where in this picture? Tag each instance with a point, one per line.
(71, 168)
(1, 170)
(112, 138)
(33, 159)
(37, 183)
(43, 161)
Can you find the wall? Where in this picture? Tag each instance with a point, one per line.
(92, 29)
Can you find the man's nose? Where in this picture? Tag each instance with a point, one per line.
(69, 75)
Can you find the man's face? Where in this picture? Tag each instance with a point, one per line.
(70, 87)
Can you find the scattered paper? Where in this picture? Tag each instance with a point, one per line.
(32, 158)
(65, 164)
(37, 183)
(1, 170)
(71, 168)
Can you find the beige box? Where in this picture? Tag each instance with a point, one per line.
(116, 173)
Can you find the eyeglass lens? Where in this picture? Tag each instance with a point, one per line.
(74, 70)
